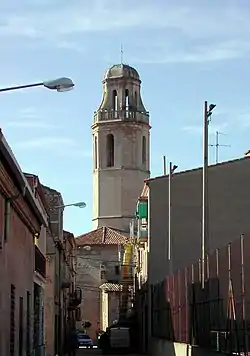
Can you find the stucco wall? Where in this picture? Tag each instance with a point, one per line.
(89, 279)
(114, 304)
(125, 179)
(16, 268)
(49, 306)
(229, 207)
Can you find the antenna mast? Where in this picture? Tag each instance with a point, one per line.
(218, 145)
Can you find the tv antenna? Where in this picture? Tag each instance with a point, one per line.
(217, 145)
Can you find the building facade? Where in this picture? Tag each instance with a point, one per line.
(121, 147)
(98, 263)
(109, 304)
(71, 294)
(20, 221)
(39, 268)
(54, 293)
(227, 218)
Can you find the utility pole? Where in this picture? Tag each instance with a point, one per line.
(205, 208)
(217, 145)
(164, 165)
(172, 168)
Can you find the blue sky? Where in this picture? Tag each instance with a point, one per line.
(185, 51)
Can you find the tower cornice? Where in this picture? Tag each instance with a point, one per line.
(116, 123)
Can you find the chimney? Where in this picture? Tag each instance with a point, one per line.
(247, 154)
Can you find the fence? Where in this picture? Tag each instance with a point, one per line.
(216, 316)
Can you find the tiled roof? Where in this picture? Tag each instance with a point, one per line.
(112, 287)
(101, 236)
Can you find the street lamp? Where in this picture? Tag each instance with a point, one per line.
(59, 84)
(205, 231)
(172, 168)
(59, 208)
(80, 204)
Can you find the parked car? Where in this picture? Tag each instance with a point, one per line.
(84, 340)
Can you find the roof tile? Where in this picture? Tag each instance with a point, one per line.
(102, 236)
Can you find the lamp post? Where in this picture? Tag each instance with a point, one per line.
(172, 168)
(205, 208)
(59, 84)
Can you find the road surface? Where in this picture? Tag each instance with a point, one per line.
(94, 352)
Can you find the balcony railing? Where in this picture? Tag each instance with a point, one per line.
(40, 262)
(75, 298)
(121, 115)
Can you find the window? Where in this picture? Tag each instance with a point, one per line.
(20, 346)
(95, 153)
(28, 324)
(144, 150)
(6, 219)
(117, 270)
(115, 100)
(136, 100)
(12, 319)
(110, 150)
(127, 103)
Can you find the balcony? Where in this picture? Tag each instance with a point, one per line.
(40, 262)
(143, 233)
(121, 115)
(75, 299)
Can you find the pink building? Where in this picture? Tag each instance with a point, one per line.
(20, 222)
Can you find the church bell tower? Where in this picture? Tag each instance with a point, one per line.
(121, 149)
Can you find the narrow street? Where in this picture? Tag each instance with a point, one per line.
(94, 352)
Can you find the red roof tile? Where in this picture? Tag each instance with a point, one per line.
(101, 236)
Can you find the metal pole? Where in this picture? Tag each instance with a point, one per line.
(205, 237)
(170, 260)
(164, 166)
(21, 87)
(60, 326)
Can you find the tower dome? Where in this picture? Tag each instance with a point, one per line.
(121, 71)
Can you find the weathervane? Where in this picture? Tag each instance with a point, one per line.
(121, 54)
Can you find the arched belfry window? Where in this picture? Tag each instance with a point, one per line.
(144, 150)
(115, 100)
(95, 153)
(127, 103)
(110, 150)
(136, 103)
(115, 103)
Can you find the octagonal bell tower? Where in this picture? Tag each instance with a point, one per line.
(121, 148)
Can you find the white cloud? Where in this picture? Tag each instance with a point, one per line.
(198, 129)
(71, 45)
(187, 31)
(224, 50)
(46, 142)
(28, 111)
(30, 125)
(101, 15)
(63, 146)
